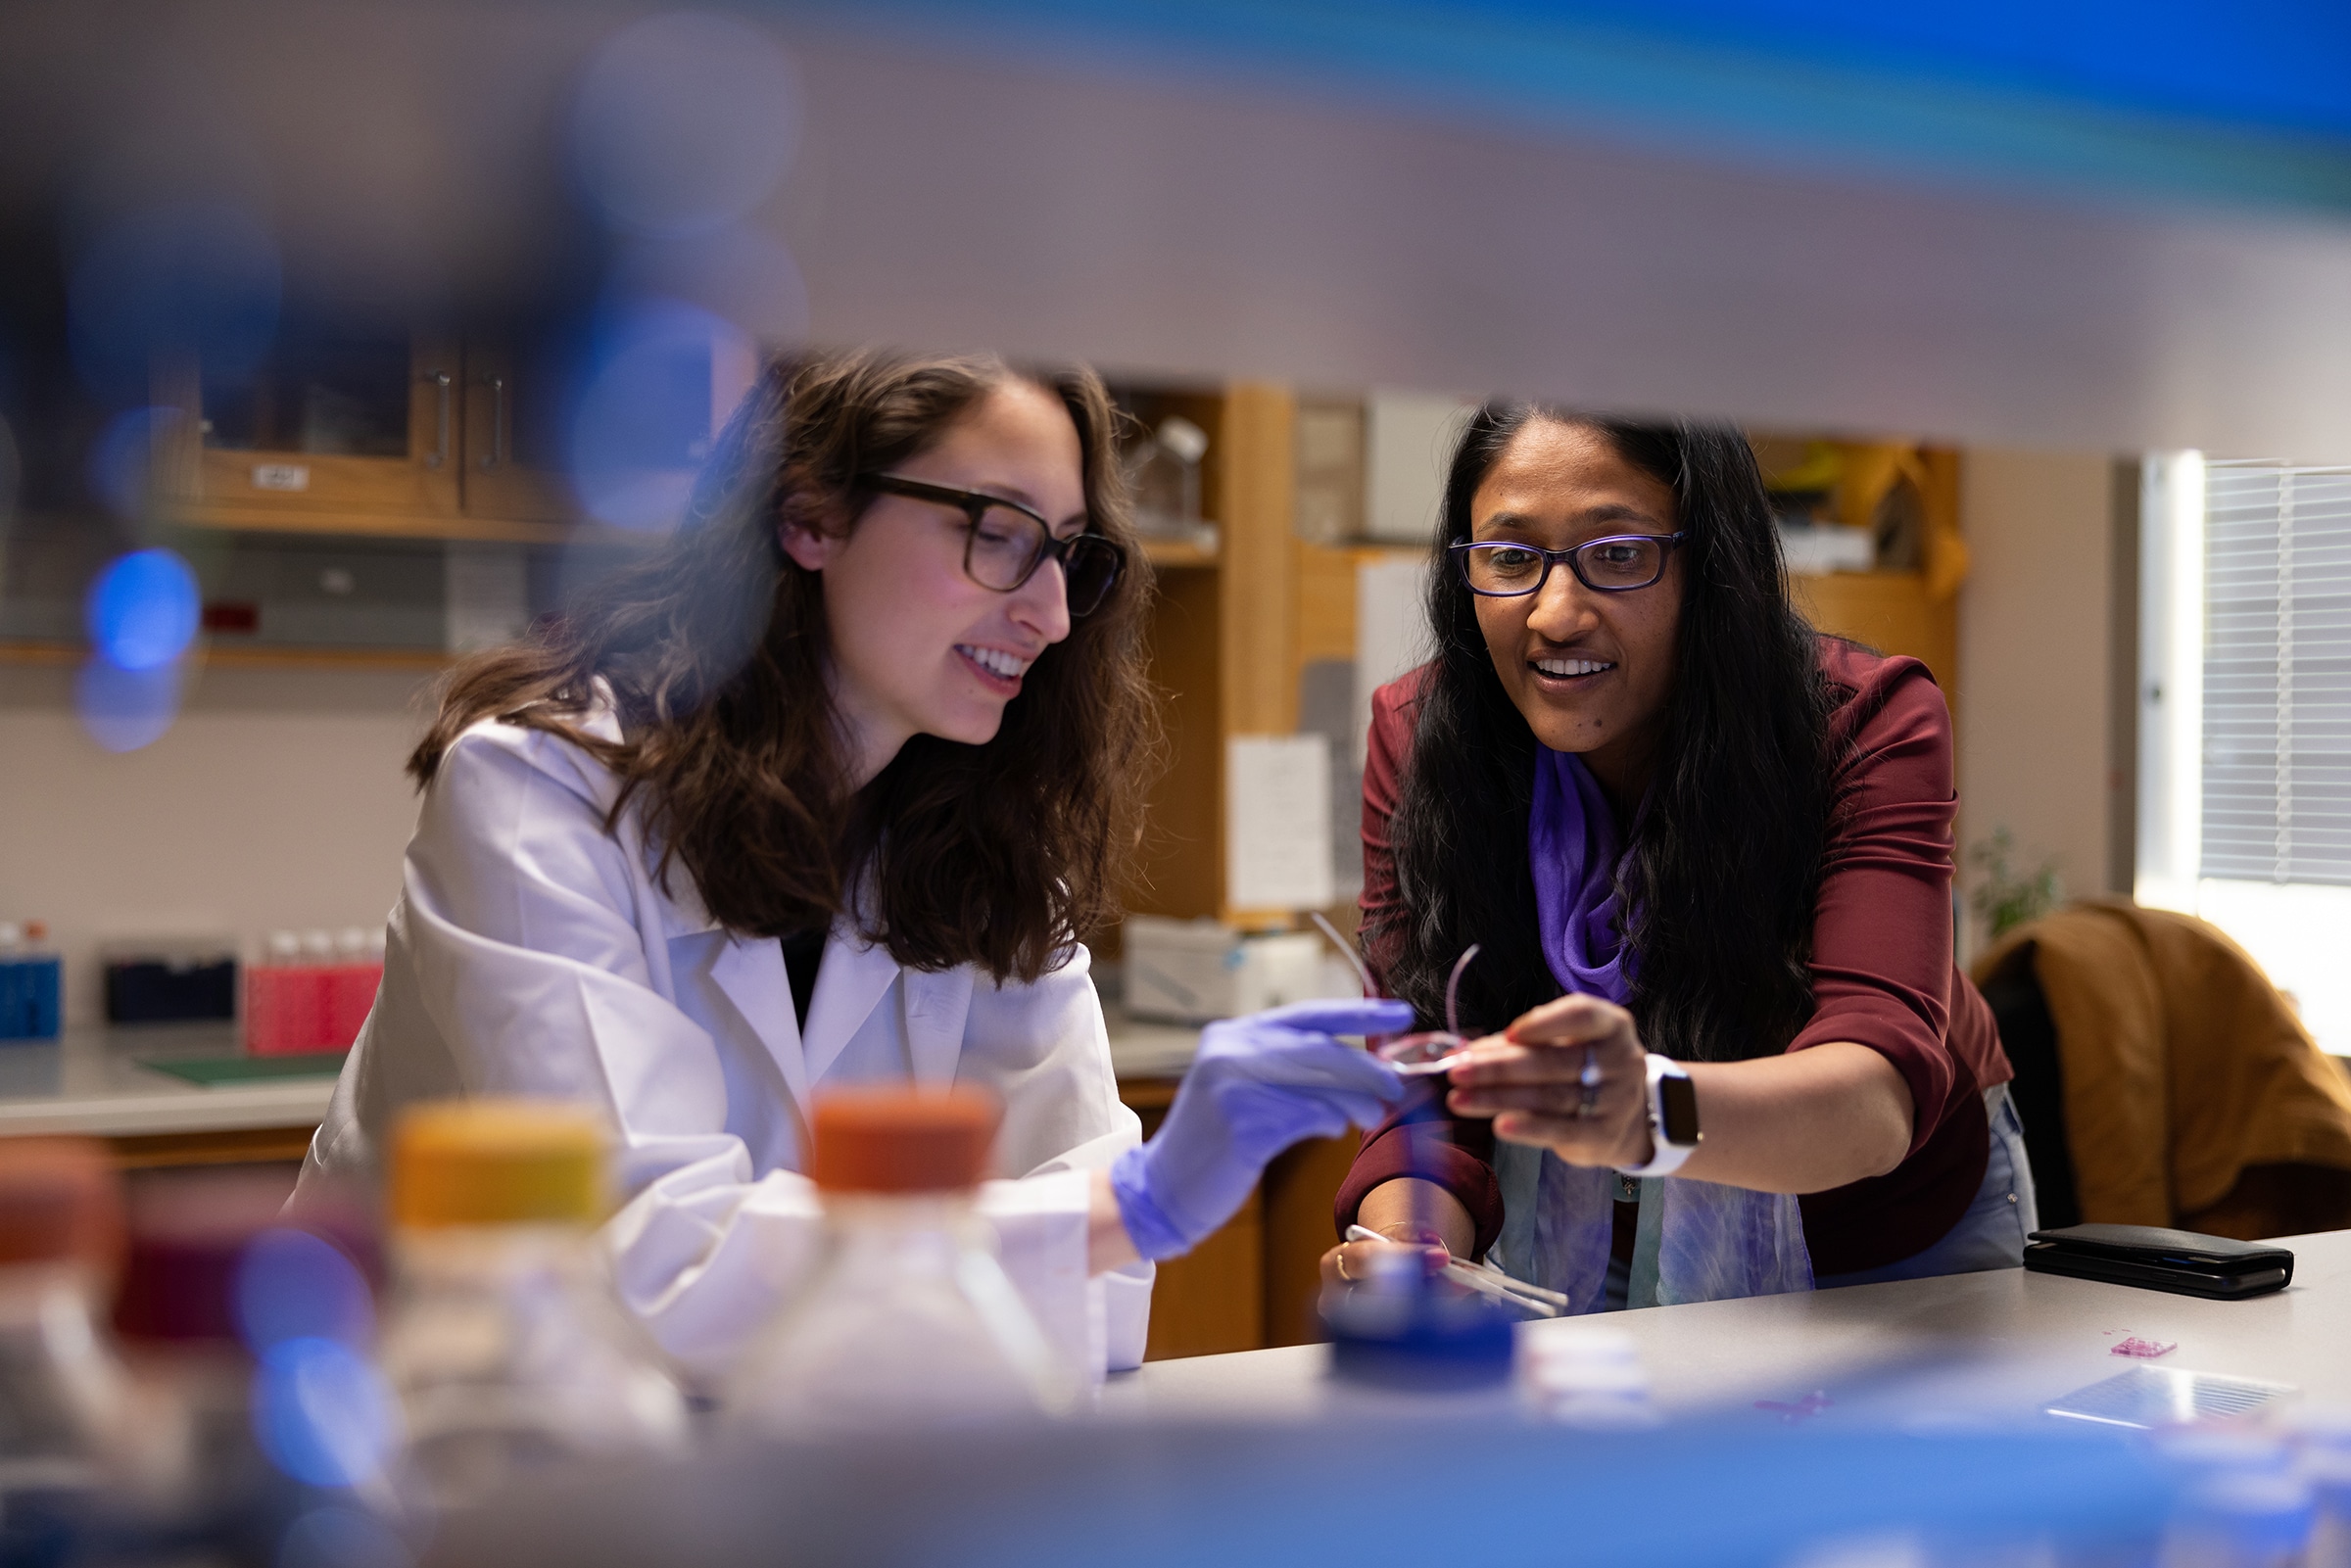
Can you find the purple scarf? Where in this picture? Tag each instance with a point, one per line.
(1696, 1240)
(1571, 843)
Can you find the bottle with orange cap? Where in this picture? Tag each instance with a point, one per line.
(505, 1345)
(66, 1402)
(910, 1320)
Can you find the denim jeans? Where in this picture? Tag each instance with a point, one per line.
(1992, 1233)
(1989, 1235)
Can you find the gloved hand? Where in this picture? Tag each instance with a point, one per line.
(1259, 1084)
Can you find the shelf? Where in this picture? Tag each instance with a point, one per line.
(250, 657)
(401, 525)
(1175, 553)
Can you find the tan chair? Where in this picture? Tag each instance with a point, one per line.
(2190, 1093)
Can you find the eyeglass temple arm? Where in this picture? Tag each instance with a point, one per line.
(1363, 971)
(1452, 988)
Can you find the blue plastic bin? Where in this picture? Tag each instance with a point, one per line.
(28, 988)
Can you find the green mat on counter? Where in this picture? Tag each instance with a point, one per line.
(214, 1070)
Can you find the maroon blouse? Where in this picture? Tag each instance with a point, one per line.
(1882, 972)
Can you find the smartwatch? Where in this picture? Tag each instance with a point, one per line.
(1673, 1119)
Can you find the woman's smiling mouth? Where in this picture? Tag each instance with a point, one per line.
(1000, 669)
(1565, 669)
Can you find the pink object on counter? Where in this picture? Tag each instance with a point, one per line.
(301, 1009)
(2144, 1349)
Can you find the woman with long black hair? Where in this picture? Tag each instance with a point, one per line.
(1705, 856)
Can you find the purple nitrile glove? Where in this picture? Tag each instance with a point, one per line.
(1259, 1084)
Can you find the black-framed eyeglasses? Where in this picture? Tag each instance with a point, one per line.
(1616, 564)
(1007, 543)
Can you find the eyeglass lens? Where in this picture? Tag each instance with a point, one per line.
(1007, 547)
(1603, 563)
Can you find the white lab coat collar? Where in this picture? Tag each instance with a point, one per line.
(750, 970)
(850, 982)
(849, 985)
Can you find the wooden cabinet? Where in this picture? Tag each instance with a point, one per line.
(1894, 612)
(1256, 1281)
(429, 434)
(351, 425)
(1222, 637)
(507, 471)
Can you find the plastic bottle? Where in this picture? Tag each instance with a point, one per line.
(66, 1415)
(230, 1462)
(1401, 1331)
(909, 1321)
(505, 1343)
(12, 983)
(30, 987)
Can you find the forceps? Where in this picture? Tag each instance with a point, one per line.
(1485, 1279)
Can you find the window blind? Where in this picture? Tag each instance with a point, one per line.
(2277, 673)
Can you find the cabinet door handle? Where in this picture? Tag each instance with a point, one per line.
(439, 381)
(498, 421)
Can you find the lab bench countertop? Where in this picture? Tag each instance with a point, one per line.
(1142, 1052)
(2002, 1343)
(92, 1080)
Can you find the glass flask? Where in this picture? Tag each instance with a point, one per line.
(505, 1345)
(909, 1321)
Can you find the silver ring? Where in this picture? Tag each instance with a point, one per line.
(1590, 1077)
(1587, 1104)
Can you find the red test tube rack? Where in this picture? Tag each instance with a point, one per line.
(311, 994)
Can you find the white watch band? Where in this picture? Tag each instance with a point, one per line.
(1665, 1157)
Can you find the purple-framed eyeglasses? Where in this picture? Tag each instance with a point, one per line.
(1615, 564)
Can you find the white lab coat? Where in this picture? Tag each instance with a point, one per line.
(532, 952)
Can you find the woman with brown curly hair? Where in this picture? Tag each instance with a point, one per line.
(826, 790)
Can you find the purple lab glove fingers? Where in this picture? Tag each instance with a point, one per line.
(1259, 1084)
(1371, 1016)
(1294, 1058)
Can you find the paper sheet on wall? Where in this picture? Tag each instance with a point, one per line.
(1391, 631)
(1278, 821)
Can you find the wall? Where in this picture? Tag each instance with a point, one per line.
(276, 801)
(2036, 661)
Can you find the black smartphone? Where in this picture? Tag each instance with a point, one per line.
(2155, 1259)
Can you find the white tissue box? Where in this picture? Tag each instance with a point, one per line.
(1191, 971)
